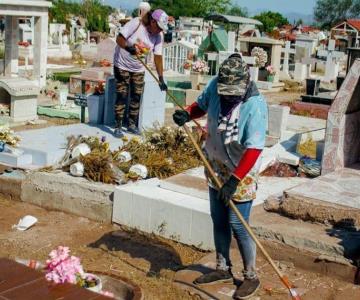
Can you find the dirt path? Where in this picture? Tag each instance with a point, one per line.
(151, 263)
(148, 261)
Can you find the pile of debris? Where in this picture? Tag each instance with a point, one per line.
(161, 152)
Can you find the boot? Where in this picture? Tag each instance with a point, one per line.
(118, 133)
(247, 289)
(218, 276)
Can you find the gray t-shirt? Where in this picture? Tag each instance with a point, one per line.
(135, 32)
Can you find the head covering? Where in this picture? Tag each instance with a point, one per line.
(144, 8)
(234, 76)
(161, 18)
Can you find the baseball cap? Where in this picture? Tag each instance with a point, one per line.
(161, 18)
(234, 76)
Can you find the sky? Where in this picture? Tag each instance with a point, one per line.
(282, 6)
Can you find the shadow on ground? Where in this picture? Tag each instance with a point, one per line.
(159, 254)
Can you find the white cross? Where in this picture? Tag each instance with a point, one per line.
(332, 61)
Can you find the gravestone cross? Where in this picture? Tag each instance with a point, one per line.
(332, 61)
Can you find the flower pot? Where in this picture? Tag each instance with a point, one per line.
(254, 73)
(98, 287)
(186, 71)
(195, 78)
(270, 78)
(63, 94)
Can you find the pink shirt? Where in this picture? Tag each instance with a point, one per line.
(134, 33)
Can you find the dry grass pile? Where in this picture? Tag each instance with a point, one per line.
(8, 136)
(164, 151)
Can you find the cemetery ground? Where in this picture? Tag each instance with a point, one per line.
(147, 260)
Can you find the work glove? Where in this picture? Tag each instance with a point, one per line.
(131, 49)
(162, 84)
(228, 190)
(180, 117)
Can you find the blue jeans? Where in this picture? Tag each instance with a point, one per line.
(225, 222)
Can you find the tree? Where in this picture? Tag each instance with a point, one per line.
(237, 10)
(299, 22)
(271, 20)
(331, 12)
(191, 8)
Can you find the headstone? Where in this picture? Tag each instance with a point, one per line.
(110, 99)
(287, 51)
(300, 72)
(333, 58)
(105, 50)
(152, 109)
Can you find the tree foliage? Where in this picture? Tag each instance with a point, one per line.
(331, 12)
(93, 11)
(270, 20)
(237, 10)
(191, 8)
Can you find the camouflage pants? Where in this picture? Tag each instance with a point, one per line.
(128, 82)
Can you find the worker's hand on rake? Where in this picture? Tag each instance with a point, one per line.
(162, 84)
(132, 50)
(228, 190)
(181, 117)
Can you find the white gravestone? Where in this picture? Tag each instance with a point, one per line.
(300, 72)
(152, 109)
(287, 51)
(105, 50)
(333, 58)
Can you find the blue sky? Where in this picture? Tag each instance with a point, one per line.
(282, 6)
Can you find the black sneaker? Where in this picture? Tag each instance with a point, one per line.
(118, 133)
(133, 130)
(218, 276)
(247, 289)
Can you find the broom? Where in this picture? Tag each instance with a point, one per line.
(283, 278)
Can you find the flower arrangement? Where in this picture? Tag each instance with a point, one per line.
(99, 89)
(187, 65)
(200, 66)
(24, 44)
(271, 70)
(260, 55)
(63, 268)
(105, 63)
(7, 136)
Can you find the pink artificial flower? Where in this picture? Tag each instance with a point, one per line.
(107, 294)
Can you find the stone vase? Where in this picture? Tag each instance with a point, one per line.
(254, 73)
(98, 287)
(195, 78)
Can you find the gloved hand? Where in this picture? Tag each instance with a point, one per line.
(162, 84)
(131, 49)
(228, 190)
(180, 117)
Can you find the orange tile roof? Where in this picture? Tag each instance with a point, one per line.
(354, 23)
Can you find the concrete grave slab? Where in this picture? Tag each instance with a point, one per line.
(155, 206)
(333, 198)
(47, 145)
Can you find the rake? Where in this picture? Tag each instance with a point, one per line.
(284, 279)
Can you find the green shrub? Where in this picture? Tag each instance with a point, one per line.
(64, 76)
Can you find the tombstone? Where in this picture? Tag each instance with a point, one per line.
(106, 50)
(342, 138)
(300, 72)
(287, 51)
(333, 58)
(152, 110)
